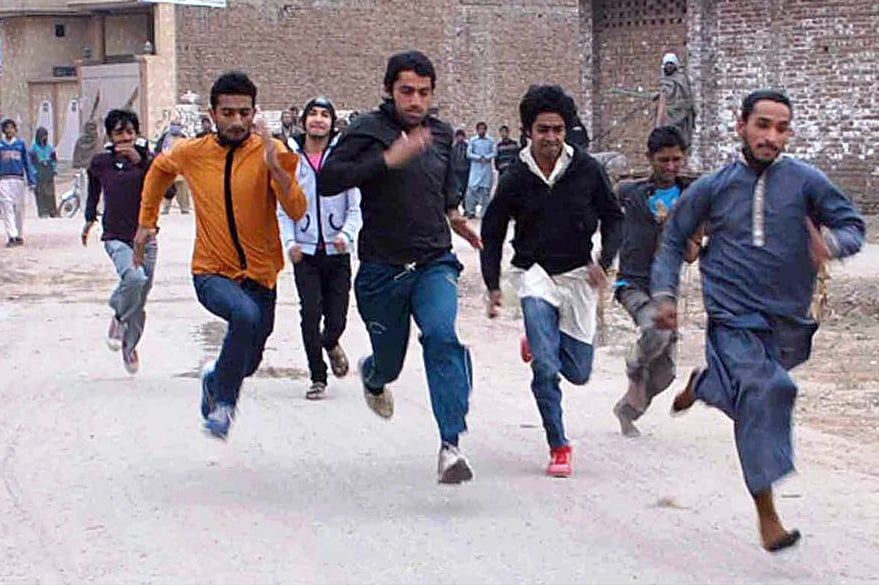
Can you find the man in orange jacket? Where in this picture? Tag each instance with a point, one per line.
(237, 177)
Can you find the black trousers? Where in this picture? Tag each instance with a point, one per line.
(324, 285)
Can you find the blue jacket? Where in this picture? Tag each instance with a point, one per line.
(339, 214)
(15, 162)
(757, 261)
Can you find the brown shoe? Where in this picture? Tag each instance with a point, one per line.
(338, 361)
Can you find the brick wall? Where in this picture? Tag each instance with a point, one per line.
(824, 53)
(630, 39)
(486, 52)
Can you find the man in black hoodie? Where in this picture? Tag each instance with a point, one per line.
(557, 195)
(400, 158)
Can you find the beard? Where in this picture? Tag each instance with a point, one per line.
(225, 140)
(752, 156)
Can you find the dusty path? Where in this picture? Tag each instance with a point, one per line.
(108, 479)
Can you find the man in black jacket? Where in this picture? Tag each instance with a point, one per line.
(400, 158)
(557, 196)
(650, 364)
(460, 163)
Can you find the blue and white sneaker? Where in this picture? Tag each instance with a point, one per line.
(219, 420)
(208, 401)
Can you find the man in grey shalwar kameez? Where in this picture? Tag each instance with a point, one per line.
(677, 104)
(758, 273)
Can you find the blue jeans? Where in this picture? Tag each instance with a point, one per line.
(129, 298)
(249, 308)
(388, 297)
(554, 354)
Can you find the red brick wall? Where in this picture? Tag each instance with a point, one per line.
(485, 51)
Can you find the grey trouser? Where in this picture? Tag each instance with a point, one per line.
(650, 364)
(129, 298)
(477, 196)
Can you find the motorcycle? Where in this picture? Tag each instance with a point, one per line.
(71, 200)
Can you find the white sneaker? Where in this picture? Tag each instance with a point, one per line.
(219, 421)
(452, 467)
(115, 334)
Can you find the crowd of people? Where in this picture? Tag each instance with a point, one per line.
(390, 187)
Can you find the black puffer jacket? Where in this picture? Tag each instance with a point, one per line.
(404, 210)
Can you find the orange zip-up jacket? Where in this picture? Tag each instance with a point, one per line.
(235, 205)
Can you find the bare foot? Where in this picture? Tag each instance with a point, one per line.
(687, 397)
(627, 427)
(786, 540)
(775, 538)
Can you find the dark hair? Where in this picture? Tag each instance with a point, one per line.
(319, 102)
(504, 127)
(750, 101)
(483, 124)
(546, 98)
(460, 132)
(232, 83)
(409, 61)
(7, 122)
(116, 118)
(666, 137)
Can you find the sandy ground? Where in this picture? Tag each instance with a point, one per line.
(107, 478)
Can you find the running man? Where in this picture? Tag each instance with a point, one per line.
(557, 195)
(118, 174)
(650, 364)
(238, 176)
(399, 157)
(763, 214)
(319, 246)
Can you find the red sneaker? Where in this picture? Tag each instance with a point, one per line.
(525, 350)
(560, 462)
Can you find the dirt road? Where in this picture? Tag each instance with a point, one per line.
(107, 478)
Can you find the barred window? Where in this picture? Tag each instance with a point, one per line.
(634, 13)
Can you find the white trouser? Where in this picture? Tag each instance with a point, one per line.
(12, 190)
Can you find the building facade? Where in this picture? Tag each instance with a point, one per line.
(606, 53)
